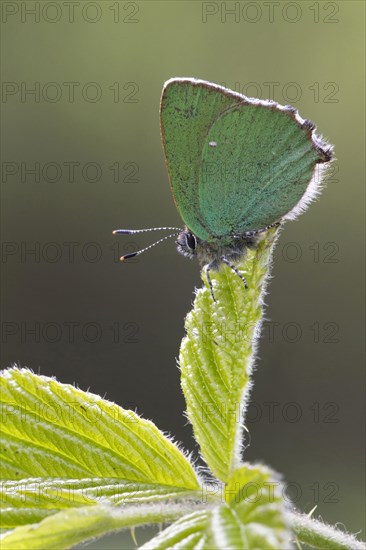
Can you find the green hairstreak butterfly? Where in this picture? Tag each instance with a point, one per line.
(236, 166)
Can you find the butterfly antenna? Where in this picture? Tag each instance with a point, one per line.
(133, 231)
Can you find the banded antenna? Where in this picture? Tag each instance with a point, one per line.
(134, 231)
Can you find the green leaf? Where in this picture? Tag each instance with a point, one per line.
(253, 517)
(55, 430)
(187, 533)
(61, 530)
(63, 448)
(31, 500)
(67, 528)
(217, 353)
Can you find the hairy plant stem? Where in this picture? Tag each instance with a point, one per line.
(320, 535)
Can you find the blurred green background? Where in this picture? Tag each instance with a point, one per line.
(90, 130)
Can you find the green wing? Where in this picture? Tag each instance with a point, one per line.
(256, 165)
(235, 164)
(188, 109)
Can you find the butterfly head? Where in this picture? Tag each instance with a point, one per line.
(187, 243)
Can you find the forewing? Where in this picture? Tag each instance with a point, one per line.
(256, 165)
(188, 109)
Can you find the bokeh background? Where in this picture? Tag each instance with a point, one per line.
(90, 131)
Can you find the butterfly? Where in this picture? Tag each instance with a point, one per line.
(236, 166)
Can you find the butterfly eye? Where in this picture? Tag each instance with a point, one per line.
(191, 241)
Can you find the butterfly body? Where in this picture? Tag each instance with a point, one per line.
(211, 252)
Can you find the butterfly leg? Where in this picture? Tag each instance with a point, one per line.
(209, 280)
(254, 232)
(275, 224)
(232, 266)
